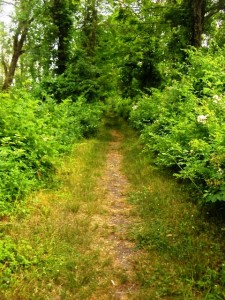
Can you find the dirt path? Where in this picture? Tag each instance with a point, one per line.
(81, 232)
(77, 241)
(113, 227)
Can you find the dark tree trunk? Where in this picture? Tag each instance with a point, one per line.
(90, 27)
(62, 19)
(198, 15)
(18, 43)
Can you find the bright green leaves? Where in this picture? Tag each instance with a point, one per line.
(32, 135)
(14, 257)
(183, 125)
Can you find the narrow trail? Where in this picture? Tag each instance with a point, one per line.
(86, 241)
(113, 226)
(83, 230)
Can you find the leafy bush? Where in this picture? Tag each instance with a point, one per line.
(145, 111)
(121, 106)
(183, 125)
(32, 135)
(80, 79)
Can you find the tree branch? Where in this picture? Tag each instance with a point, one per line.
(215, 9)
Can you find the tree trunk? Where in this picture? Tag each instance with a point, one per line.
(18, 42)
(61, 16)
(90, 27)
(198, 14)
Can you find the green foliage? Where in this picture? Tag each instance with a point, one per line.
(184, 124)
(121, 106)
(33, 134)
(184, 251)
(61, 13)
(138, 53)
(55, 238)
(81, 78)
(15, 257)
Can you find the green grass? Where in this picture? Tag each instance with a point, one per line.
(184, 250)
(51, 253)
(59, 234)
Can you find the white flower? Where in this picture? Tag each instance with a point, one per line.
(202, 119)
(216, 98)
(220, 171)
(134, 107)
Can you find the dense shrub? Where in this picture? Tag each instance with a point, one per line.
(81, 78)
(32, 135)
(184, 125)
(121, 106)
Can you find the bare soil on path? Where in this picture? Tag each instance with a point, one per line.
(112, 235)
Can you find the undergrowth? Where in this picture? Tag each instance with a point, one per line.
(49, 253)
(182, 124)
(33, 135)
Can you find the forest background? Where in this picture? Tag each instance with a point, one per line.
(66, 63)
(159, 64)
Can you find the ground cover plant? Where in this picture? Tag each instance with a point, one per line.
(51, 253)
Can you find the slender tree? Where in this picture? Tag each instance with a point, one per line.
(22, 22)
(89, 26)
